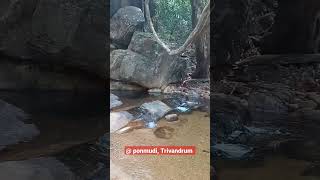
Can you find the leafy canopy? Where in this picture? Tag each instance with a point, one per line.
(173, 19)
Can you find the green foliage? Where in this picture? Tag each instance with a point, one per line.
(173, 20)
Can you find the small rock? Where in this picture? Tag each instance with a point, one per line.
(171, 117)
(137, 124)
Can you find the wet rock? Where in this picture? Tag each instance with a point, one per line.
(171, 117)
(132, 125)
(157, 108)
(124, 23)
(119, 120)
(35, 169)
(13, 125)
(233, 151)
(114, 101)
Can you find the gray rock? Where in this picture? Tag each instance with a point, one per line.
(13, 128)
(119, 120)
(171, 117)
(156, 108)
(124, 23)
(114, 101)
(35, 169)
(146, 45)
(128, 66)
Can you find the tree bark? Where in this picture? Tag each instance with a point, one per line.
(201, 45)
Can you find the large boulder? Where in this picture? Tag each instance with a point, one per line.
(62, 32)
(124, 23)
(146, 64)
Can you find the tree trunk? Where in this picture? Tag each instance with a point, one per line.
(201, 45)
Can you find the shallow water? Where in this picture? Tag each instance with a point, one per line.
(192, 129)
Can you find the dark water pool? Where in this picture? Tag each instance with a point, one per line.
(70, 126)
(272, 168)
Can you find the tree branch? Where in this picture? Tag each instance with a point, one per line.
(203, 23)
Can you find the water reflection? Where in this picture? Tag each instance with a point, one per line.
(64, 119)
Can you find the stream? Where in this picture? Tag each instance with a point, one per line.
(192, 128)
(72, 127)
